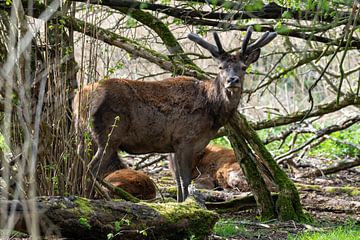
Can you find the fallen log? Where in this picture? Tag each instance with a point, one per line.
(351, 191)
(80, 218)
(237, 203)
(333, 169)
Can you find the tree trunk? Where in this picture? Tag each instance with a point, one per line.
(288, 206)
(80, 218)
(247, 160)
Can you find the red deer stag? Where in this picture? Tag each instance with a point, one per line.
(180, 114)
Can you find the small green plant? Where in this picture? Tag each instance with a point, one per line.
(3, 145)
(143, 232)
(84, 222)
(117, 227)
(227, 228)
(118, 66)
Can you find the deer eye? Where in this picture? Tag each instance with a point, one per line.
(221, 67)
(244, 68)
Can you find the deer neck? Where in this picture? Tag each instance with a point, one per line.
(224, 101)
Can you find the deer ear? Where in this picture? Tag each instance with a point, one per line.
(252, 57)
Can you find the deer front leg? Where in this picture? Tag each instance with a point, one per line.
(183, 167)
(176, 167)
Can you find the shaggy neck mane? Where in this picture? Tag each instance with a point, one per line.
(223, 102)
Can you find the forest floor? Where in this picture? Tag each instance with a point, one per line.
(331, 201)
(328, 209)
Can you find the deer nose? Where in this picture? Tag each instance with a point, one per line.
(233, 80)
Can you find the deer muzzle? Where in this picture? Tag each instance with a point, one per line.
(233, 82)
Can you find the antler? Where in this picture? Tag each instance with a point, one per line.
(262, 41)
(246, 40)
(216, 51)
(218, 43)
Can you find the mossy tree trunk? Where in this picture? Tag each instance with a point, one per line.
(247, 160)
(288, 206)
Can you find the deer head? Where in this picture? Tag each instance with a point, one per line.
(232, 67)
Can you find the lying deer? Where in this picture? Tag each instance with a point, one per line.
(137, 183)
(179, 115)
(216, 167)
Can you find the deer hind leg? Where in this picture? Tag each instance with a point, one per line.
(101, 162)
(183, 168)
(115, 163)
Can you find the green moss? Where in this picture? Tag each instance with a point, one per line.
(84, 206)
(288, 205)
(202, 220)
(330, 189)
(284, 208)
(352, 191)
(172, 190)
(310, 187)
(167, 178)
(125, 195)
(355, 192)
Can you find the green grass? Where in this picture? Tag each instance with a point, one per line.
(227, 228)
(328, 149)
(348, 232)
(221, 141)
(231, 228)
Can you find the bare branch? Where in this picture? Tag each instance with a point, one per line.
(333, 169)
(350, 99)
(319, 134)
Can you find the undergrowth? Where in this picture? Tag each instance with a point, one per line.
(347, 232)
(228, 228)
(329, 149)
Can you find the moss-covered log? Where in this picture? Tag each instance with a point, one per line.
(80, 218)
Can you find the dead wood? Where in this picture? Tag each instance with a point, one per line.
(80, 218)
(334, 205)
(237, 203)
(329, 189)
(333, 169)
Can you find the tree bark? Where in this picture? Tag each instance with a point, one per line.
(80, 218)
(247, 160)
(288, 206)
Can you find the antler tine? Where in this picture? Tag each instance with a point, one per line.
(246, 40)
(218, 43)
(262, 41)
(253, 45)
(208, 46)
